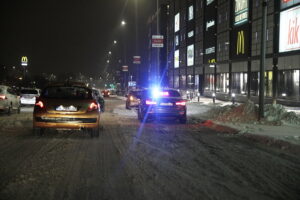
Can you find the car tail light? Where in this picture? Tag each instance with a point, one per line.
(149, 102)
(180, 103)
(39, 104)
(93, 106)
(2, 97)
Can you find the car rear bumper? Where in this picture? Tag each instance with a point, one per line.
(166, 112)
(27, 101)
(66, 122)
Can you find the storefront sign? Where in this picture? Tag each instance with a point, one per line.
(240, 47)
(210, 24)
(24, 61)
(240, 11)
(137, 60)
(289, 38)
(288, 3)
(125, 68)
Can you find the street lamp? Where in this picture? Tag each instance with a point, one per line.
(115, 41)
(109, 52)
(107, 61)
(123, 23)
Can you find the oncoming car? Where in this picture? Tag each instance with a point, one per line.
(133, 99)
(66, 106)
(162, 103)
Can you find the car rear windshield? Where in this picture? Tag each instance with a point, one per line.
(29, 91)
(65, 92)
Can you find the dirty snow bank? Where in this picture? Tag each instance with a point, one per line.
(275, 114)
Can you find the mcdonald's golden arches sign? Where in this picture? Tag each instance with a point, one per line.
(240, 47)
(240, 43)
(24, 61)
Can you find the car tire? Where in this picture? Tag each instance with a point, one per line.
(183, 120)
(19, 109)
(38, 131)
(8, 110)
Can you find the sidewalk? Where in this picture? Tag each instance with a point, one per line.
(198, 111)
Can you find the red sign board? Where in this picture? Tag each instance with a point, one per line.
(136, 59)
(157, 41)
(125, 68)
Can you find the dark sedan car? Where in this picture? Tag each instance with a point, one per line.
(162, 103)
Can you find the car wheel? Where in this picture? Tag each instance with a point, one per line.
(183, 120)
(9, 110)
(38, 131)
(19, 109)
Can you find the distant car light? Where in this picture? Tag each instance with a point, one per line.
(93, 106)
(2, 97)
(181, 103)
(131, 98)
(149, 102)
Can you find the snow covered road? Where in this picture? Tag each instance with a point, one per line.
(160, 160)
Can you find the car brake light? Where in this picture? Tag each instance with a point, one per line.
(2, 97)
(180, 103)
(93, 106)
(149, 102)
(40, 104)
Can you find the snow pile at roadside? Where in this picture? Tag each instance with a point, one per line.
(244, 113)
(275, 114)
(278, 114)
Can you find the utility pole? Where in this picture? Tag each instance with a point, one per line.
(262, 61)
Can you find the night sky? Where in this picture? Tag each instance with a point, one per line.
(69, 35)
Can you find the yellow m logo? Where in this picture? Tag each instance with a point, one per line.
(240, 44)
(24, 59)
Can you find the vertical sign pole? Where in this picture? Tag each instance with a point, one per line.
(262, 61)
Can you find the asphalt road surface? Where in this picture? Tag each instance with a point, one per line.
(160, 160)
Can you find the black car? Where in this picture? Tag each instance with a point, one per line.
(97, 95)
(161, 103)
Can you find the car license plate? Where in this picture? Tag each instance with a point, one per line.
(66, 108)
(166, 104)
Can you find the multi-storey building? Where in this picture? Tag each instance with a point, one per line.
(213, 46)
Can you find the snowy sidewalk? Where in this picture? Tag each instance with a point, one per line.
(199, 111)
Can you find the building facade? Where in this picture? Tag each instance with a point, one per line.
(213, 46)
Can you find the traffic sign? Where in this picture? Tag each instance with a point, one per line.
(157, 41)
(137, 60)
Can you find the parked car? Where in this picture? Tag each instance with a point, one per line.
(9, 100)
(133, 99)
(29, 95)
(100, 99)
(66, 106)
(105, 93)
(162, 103)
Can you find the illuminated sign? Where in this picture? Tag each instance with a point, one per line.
(210, 24)
(176, 59)
(209, 2)
(191, 13)
(137, 60)
(240, 44)
(190, 34)
(288, 3)
(177, 22)
(24, 61)
(210, 50)
(157, 41)
(289, 30)
(240, 11)
(125, 68)
(190, 55)
(176, 40)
